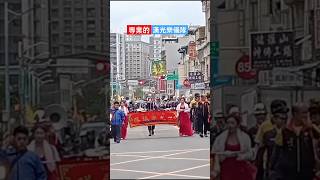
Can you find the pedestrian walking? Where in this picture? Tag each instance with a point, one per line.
(260, 114)
(184, 121)
(266, 134)
(218, 127)
(124, 108)
(203, 117)
(232, 149)
(151, 106)
(197, 113)
(116, 122)
(23, 164)
(294, 157)
(193, 115)
(47, 152)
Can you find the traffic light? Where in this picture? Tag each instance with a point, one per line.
(102, 67)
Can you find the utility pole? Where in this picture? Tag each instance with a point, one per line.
(6, 58)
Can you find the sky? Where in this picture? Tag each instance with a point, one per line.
(124, 13)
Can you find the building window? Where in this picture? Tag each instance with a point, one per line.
(77, 2)
(67, 37)
(55, 3)
(78, 48)
(55, 25)
(67, 2)
(67, 12)
(67, 49)
(67, 25)
(91, 48)
(91, 37)
(78, 13)
(55, 38)
(79, 37)
(55, 13)
(91, 12)
(78, 25)
(91, 25)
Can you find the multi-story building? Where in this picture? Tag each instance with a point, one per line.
(237, 21)
(155, 48)
(78, 26)
(14, 36)
(137, 58)
(72, 34)
(117, 56)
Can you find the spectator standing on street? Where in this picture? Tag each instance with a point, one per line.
(218, 127)
(116, 122)
(203, 123)
(24, 164)
(183, 110)
(193, 115)
(47, 152)
(124, 127)
(260, 114)
(266, 134)
(294, 157)
(151, 106)
(233, 151)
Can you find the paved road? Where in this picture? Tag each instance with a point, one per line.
(162, 156)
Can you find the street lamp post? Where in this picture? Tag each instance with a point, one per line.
(6, 52)
(6, 61)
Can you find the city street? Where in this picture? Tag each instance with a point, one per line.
(162, 156)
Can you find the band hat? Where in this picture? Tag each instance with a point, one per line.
(234, 109)
(279, 106)
(260, 108)
(218, 114)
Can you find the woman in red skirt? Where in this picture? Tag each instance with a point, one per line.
(184, 118)
(233, 150)
(124, 127)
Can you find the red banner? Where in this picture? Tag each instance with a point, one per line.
(84, 169)
(152, 118)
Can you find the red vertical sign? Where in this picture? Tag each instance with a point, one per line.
(192, 51)
(162, 85)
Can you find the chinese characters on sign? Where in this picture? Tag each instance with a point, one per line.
(273, 49)
(157, 29)
(195, 77)
(170, 29)
(192, 51)
(139, 29)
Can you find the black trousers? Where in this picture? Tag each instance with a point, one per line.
(203, 125)
(151, 128)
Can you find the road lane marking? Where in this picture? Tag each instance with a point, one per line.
(157, 173)
(143, 152)
(173, 172)
(136, 160)
(176, 158)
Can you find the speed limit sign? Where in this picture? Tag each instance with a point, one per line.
(244, 69)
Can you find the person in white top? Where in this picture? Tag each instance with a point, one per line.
(124, 108)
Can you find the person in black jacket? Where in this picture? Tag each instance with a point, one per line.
(203, 116)
(151, 106)
(293, 157)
